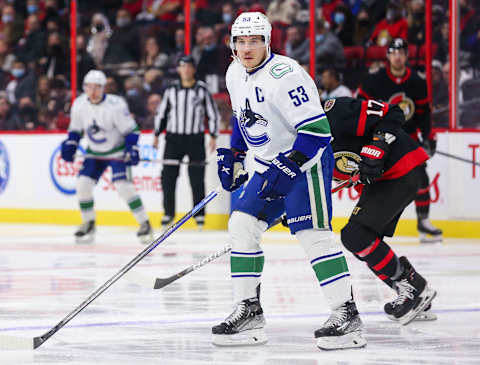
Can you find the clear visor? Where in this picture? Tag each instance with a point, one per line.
(244, 43)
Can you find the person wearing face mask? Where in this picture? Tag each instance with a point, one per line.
(416, 22)
(394, 25)
(23, 84)
(213, 59)
(55, 63)
(31, 47)
(329, 50)
(297, 45)
(135, 97)
(363, 27)
(100, 34)
(123, 50)
(11, 25)
(343, 24)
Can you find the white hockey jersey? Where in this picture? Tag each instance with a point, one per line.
(105, 124)
(272, 104)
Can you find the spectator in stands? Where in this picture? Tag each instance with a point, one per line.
(153, 57)
(100, 35)
(152, 81)
(23, 84)
(297, 46)
(228, 15)
(363, 28)
(111, 87)
(177, 53)
(393, 26)
(9, 118)
(135, 97)
(468, 24)
(416, 22)
(329, 50)
(42, 95)
(55, 63)
(123, 50)
(475, 60)
(32, 46)
(283, 11)
(134, 7)
(58, 106)
(33, 7)
(343, 24)
(6, 58)
(442, 41)
(166, 10)
(85, 62)
(11, 25)
(153, 101)
(28, 113)
(332, 87)
(214, 59)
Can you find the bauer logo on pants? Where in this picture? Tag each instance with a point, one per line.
(4, 167)
(64, 174)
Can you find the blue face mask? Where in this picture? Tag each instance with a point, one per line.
(319, 37)
(33, 8)
(339, 18)
(7, 18)
(227, 18)
(18, 72)
(132, 92)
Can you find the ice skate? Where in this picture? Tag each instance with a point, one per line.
(423, 316)
(343, 330)
(145, 232)
(166, 220)
(243, 327)
(414, 296)
(200, 222)
(427, 232)
(85, 233)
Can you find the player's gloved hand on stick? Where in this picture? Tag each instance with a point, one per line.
(430, 146)
(374, 156)
(69, 146)
(279, 178)
(230, 168)
(132, 155)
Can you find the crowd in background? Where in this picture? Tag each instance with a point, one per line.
(137, 43)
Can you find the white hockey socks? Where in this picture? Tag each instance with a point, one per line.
(127, 191)
(85, 187)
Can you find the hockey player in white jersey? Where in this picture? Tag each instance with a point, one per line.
(279, 118)
(112, 135)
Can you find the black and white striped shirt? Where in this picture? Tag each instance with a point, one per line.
(183, 110)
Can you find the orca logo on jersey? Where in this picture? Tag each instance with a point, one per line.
(4, 167)
(404, 102)
(346, 164)
(94, 132)
(248, 118)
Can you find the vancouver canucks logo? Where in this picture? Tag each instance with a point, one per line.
(248, 119)
(95, 133)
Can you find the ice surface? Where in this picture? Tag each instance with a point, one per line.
(44, 275)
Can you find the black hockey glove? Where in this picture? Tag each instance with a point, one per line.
(374, 156)
(430, 146)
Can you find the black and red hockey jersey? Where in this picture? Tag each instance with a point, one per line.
(353, 123)
(409, 92)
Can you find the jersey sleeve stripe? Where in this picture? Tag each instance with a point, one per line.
(311, 120)
(422, 101)
(362, 120)
(363, 94)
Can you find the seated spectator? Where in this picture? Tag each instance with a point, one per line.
(24, 83)
(393, 26)
(441, 39)
(214, 59)
(177, 52)
(297, 46)
(43, 91)
(123, 50)
(332, 87)
(416, 22)
(58, 106)
(228, 16)
(32, 46)
(153, 57)
(152, 81)
(111, 87)
(153, 102)
(34, 8)
(9, 118)
(135, 97)
(342, 20)
(6, 57)
(11, 25)
(55, 63)
(28, 113)
(100, 35)
(328, 49)
(328, 8)
(363, 28)
(468, 23)
(166, 10)
(283, 11)
(85, 62)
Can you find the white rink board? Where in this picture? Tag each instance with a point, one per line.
(36, 180)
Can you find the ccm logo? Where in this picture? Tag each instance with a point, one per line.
(284, 168)
(372, 152)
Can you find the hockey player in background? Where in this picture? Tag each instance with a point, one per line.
(112, 136)
(369, 139)
(279, 118)
(399, 84)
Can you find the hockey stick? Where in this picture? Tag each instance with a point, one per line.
(16, 343)
(458, 158)
(167, 162)
(158, 283)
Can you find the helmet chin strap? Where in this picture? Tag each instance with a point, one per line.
(267, 56)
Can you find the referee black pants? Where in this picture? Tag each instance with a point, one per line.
(176, 147)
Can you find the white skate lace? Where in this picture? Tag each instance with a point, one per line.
(238, 314)
(405, 291)
(338, 317)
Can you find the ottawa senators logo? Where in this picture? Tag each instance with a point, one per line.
(346, 164)
(405, 103)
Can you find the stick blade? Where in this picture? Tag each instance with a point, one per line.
(160, 283)
(18, 343)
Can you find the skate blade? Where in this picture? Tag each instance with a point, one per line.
(245, 338)
(348, 341)
(422, 317)
(427, 296)
(146, 238)
(85, 239)
(424, 238)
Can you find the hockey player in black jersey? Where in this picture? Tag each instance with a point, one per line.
(399, 84)
(369, 139)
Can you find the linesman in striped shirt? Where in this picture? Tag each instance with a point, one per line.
(186, 109)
